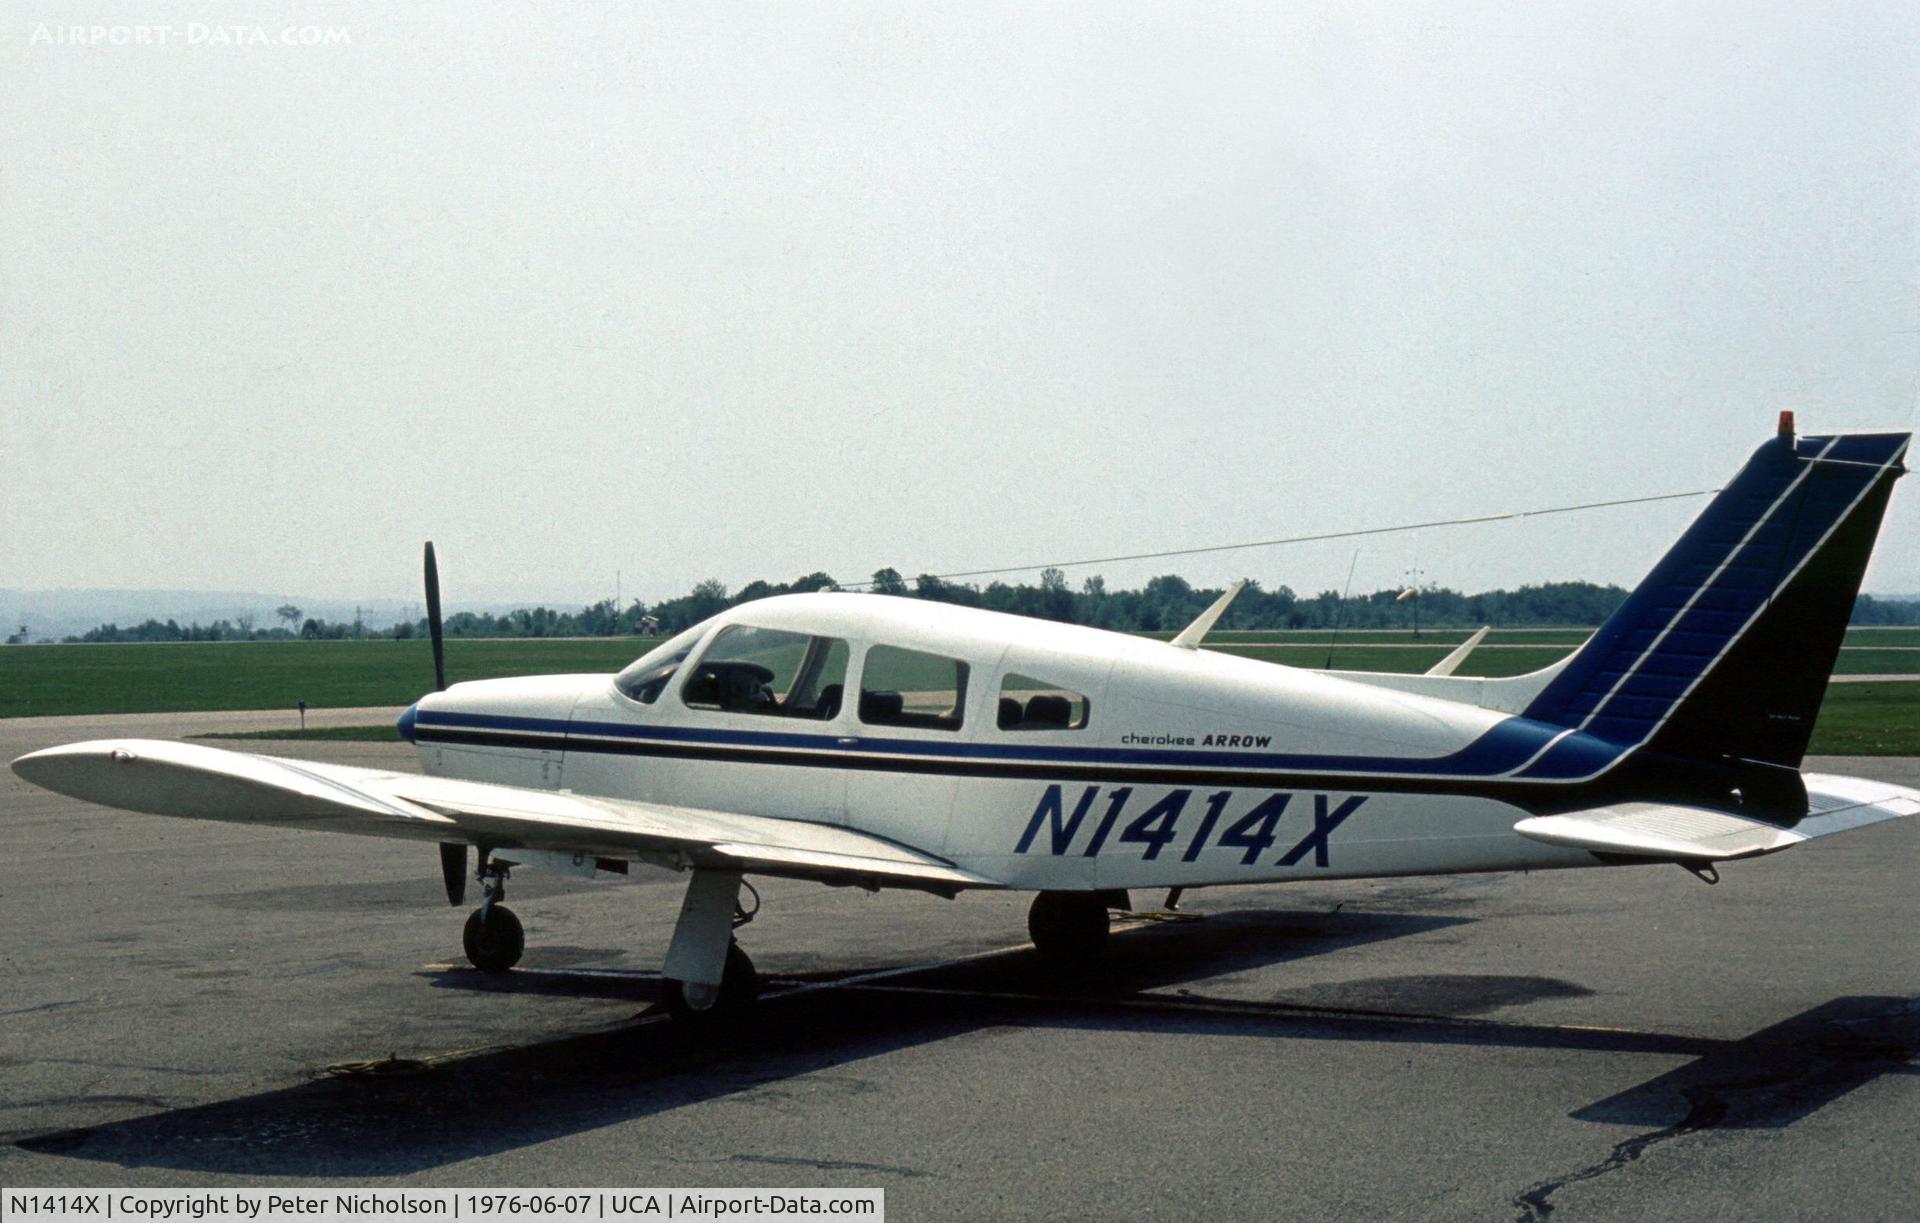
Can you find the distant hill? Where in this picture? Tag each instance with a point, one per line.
(53, 614)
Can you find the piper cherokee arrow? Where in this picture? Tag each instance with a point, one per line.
(861, 740)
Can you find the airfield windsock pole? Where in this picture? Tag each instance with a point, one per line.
(1413, 592)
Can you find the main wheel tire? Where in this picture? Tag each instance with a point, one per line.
(1068, 927)
(494, 942)
(733, 997)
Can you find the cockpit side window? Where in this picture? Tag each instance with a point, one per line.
(771, 672)
(910, 688)
(647, 676)
(1027, 703)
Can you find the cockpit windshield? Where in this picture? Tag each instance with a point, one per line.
(774, 672)
(644, 679)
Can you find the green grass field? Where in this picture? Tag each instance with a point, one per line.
(1869, 720)
(1512, 661)
(1883, 636)
(382, 732)
(1357, 657)
(1865, 719)
(1445, 637)
(1898, 636)
(54, 679)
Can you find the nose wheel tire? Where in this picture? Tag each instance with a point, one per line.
(739, 986)
(494, 939)
(1068, 928)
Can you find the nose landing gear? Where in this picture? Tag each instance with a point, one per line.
(493, 937)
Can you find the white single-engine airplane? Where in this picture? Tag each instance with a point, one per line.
(884, 742)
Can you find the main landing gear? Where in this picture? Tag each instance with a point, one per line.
(1070, 928)
(739, 987)
(493, 937)
(709, 978)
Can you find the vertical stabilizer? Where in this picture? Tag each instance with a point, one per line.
(1724, 651)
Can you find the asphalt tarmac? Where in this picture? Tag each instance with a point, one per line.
(191, 1004)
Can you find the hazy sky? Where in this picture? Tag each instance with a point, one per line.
(692, 291)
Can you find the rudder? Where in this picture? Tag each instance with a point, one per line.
(1724, 651)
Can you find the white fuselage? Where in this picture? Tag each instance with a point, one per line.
(1184, 767)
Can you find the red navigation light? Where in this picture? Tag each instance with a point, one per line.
(1786, 422)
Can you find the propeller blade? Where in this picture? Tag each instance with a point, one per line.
(453, 868)
(433, 624)
(453, 854)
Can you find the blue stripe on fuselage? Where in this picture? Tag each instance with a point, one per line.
(1506, 746)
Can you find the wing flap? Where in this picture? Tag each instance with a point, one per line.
(827, 867)
(184, 779)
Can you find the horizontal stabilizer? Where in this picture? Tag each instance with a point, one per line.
(185, 779)
(1661, 831)
(1451, 663)
(1190, 637)
(1673, 832)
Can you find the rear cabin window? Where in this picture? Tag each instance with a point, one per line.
(771, 672)
(647, 676)
(908, 688)
(1027, 703)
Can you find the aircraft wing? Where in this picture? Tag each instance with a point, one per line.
(1674, 832)
(185, 779)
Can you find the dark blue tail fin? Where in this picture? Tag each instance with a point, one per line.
(1724, 652)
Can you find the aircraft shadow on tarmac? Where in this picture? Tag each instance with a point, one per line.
(500, 1100)
(1157, 955)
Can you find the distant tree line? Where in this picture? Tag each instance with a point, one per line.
(172, 630)
(1869, 610)
(1169, 602)
(1165, 604)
